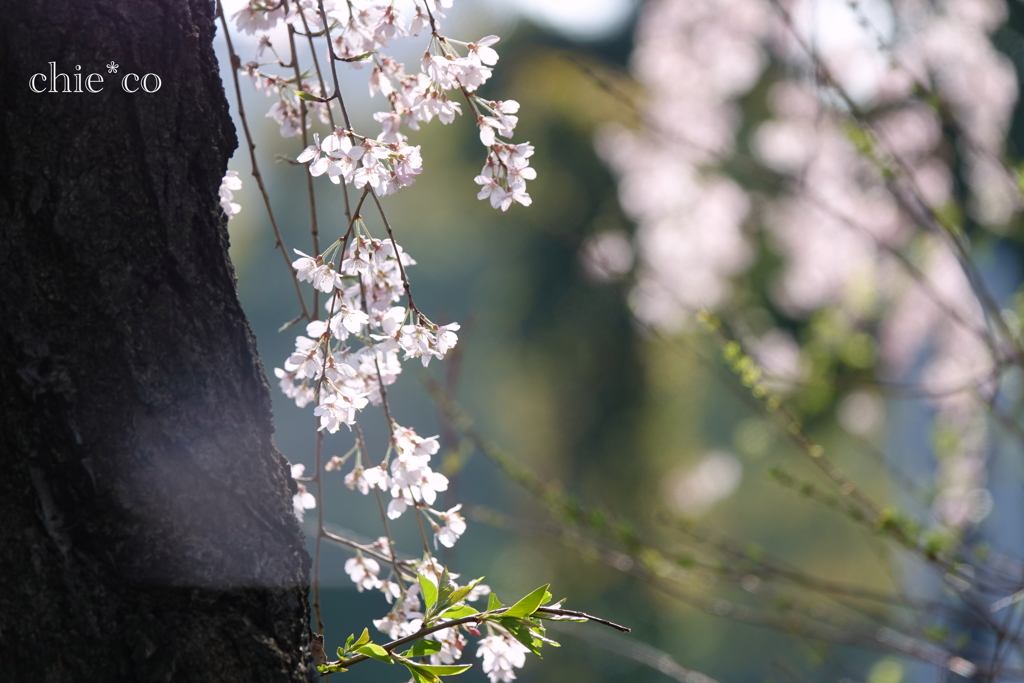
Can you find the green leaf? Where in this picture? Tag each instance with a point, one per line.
(493, 602)
(422, 648)
(363, 639)
(445, 590)
(530, 603)
(445, 669)
(459, 611)
(330, 668)
(429, 590)
(418, 674)
(520, 630)
(375, 651)
(303, 95)
(430, 672)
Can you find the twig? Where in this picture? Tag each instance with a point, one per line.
(279, 243)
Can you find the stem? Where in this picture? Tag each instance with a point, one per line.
(367, 550)
(334, 58)
(304, 112)
(433, 22)
(401, 268)
(319, 535)
(419, 521)
(316, 63)
(352, 218)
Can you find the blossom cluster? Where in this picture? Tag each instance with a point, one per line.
(354, 348)
(361, 314)
(384, 167)
(343, 363)
(411, 483)
(387, 163)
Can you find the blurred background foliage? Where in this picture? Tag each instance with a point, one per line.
(553, 369)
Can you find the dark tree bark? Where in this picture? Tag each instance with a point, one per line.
(146, 530)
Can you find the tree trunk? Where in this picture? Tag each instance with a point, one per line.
(146, 530)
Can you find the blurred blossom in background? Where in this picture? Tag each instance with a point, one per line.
(694, 491)
(836, 181)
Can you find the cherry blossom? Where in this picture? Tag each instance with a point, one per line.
(405, 617)
(286, 112)
(258, 16)
(316, 155)
(482, 52)
(502, 655)
(363, 572)
(453, 526)
(303, 500)
(339, 409)
(452, 645)
(230, 182)
(366, 479)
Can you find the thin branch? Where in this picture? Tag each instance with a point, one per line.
(419, 522)
(303, 114)
(918, 210)
(320, 527)
(750, 163)
(398, 256)
(334, 58)
(472, 619)
(365, 549)
(638, 652)
(278, 241)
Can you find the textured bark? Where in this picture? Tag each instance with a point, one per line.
(146, 530)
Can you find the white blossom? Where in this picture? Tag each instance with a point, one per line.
(338, 409)
(255, 17)
(479, 591)
(366, 479)
(452, 644)
(442, 70)
(454, 525)
(303, 500)
(405, 618)
(286, 113)
(304, 266)
(305, 361)
(302, 393)
(230, 182)
(363, 572)
(316, 155)
(502, 654)
(471, 74)
(482, 52)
